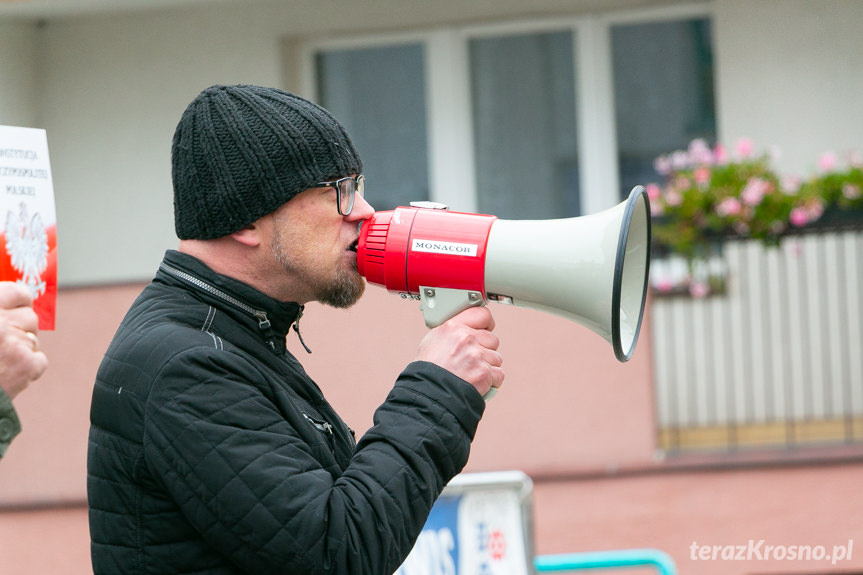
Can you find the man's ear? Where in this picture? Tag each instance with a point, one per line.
(248, 236)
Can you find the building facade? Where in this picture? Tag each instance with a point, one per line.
(548, 109)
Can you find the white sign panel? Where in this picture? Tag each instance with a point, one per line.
(29, 222)
(481, 525)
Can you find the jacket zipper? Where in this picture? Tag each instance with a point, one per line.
(263, 322)
(323, 427)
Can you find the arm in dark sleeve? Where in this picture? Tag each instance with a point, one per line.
(248, 482)
(10, 425)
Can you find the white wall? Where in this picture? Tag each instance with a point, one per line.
(114, 91)
(790, 74)
(18, 74)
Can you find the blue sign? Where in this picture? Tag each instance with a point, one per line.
(436, 549)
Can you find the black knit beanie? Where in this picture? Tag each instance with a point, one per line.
(240, 152)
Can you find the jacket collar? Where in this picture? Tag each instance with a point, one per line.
(274, 318)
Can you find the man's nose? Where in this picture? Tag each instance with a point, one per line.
(362, 209)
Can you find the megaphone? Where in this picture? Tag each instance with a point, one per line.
(590, 269)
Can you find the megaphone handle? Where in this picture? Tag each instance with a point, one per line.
(440, 304)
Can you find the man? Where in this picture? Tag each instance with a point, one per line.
(21, 362)
(211, 450)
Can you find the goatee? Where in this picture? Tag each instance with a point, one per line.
(344, 291)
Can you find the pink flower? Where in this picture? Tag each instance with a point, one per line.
(673, 198)
(679, 160)
(699, 289)
(855, 159)
(662, 165)
(826, 161)
(664, 285)
(680, 183)
(799, 217)
(699, 152)
(754, 191)
(654, 194)
(815, 208)
(701, 176)
(744, 147)
(851, 191)
(791, 185)
(729, 207)
(720, 154)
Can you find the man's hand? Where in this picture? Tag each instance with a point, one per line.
(466, 346)
(20, 359)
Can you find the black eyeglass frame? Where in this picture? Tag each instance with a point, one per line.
(358, 188)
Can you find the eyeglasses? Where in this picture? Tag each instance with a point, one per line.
(346, 190)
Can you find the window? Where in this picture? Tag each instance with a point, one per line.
(525, 142)
(663, 93)
(379, 95)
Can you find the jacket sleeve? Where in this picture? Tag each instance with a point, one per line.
(248, 482)
(10, 426)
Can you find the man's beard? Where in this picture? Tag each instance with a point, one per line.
(342, 291)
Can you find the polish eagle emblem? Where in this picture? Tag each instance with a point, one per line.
(27, 246)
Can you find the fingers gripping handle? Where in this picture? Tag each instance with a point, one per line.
(441, 304)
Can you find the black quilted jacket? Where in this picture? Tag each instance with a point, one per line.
(212, 451)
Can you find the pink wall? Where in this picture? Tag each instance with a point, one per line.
(568, 410)
(47, 462)
(48, 542)
(671, 511)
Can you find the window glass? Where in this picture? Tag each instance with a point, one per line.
(663, 93)
(523, 103)
(379, 95)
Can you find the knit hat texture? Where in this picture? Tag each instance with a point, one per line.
(240, 152)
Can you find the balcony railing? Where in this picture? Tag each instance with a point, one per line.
(775, 358)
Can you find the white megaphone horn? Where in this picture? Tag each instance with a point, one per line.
(590, 269)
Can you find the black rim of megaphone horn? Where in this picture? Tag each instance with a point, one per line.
(629, 211)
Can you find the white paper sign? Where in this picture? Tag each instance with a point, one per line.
(28, 218)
